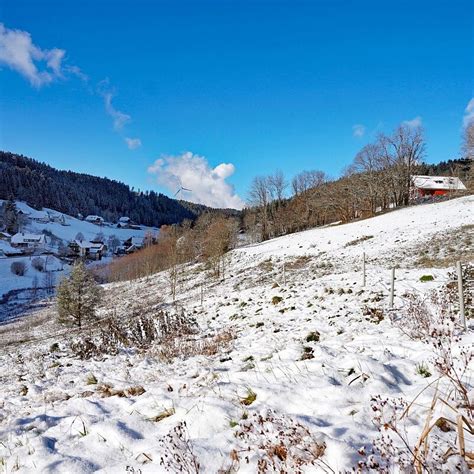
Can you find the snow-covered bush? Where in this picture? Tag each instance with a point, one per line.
(277, 443)
(19, 268)
(38, 264)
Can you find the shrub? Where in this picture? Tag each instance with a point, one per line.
(18, 268)
(279, 444)
(38, 264)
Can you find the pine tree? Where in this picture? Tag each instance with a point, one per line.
(10, 217)
(78, 296)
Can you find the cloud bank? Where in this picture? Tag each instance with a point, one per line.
(358, 130)
(38, 66)
(207, 185)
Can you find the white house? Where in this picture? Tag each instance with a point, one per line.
(30, 241)
(87, 249)
(124, 222)
(95, 219)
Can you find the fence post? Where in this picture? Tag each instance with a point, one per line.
(461, 295)
(392, 287)
(363, 269)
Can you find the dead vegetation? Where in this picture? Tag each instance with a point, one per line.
(279, 444)
(445, 249)
(448, 430)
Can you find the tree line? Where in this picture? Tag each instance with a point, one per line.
(41, 185)
(378, 178)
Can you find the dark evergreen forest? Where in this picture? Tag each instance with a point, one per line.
(41, 185)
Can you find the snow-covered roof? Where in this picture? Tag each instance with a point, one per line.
(5, 234)
(22, 238)
(94, 218)
(86, 244)
(438, 182)
(138, 241)
(124, 219)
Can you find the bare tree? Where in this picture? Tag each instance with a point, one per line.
(468, 140)
(260, 197)
(277, 186)
(403, 151)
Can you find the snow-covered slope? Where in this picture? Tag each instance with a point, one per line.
(301, 342)
(74, 226)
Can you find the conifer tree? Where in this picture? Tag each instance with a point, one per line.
(78, 296)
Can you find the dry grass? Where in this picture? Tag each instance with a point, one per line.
(173, 347)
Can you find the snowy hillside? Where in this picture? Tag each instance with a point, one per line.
(292, 363)
(74, 226)
(56, 232)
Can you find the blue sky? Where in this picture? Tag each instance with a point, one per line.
(245, 88)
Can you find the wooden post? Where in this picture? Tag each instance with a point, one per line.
(363, 269)
(461, 295)
(392, 288)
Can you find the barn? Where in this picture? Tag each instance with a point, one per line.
(436, 185)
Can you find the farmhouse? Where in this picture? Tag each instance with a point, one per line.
(436, 185)
(29, 241)
(124, 222)
(86, 249)
(95, 220)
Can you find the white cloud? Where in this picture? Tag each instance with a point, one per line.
(413, 123)
(358, 130)
(469, 113)
(207, 185)
(39, 66)
(133, 143)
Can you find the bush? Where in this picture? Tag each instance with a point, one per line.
(18, 268)
(38, 264)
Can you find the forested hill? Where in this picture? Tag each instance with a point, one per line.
(41, 185)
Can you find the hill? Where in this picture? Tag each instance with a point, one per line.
(289, 364)
(42, 186)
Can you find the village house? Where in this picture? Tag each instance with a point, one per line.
(133, 244)
(95, 219)
(28, 241)
(87, 250)
(124, 222)
(435, 185)
(5, 236)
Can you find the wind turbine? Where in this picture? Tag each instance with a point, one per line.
(181, 189)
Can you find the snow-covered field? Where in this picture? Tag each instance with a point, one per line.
(300, 361)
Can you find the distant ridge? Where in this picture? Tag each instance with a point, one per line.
(41, 185)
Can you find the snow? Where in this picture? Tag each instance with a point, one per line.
(52, 420)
